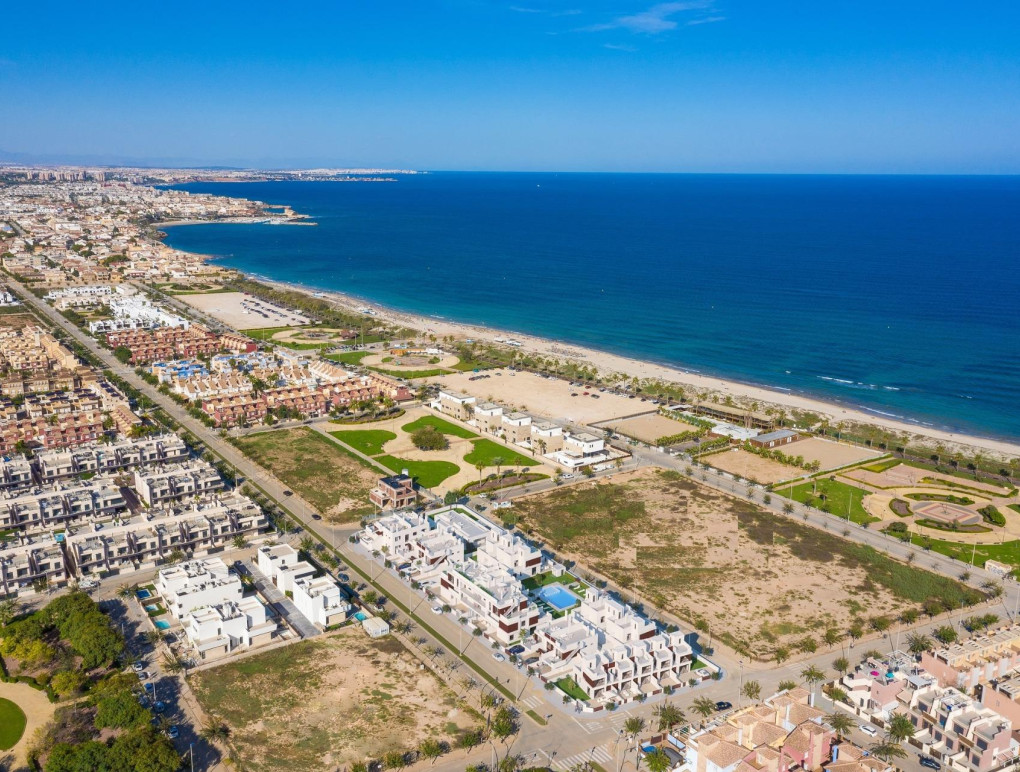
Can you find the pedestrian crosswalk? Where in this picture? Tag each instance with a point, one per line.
(599, 754)
(532, 701)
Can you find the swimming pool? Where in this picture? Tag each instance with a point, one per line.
(152, 607)
(558, 596)
(162, 624)
(361, 616)
(143, 594)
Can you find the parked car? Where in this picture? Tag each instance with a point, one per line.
(316, 517)
(159, 707)
(868, 729)
(139, 667)
(437, 609)
(288, 493)
(928, 761)
(498, 657)
(723, 705)
(143, 675)
(173, 732)
(518, 649)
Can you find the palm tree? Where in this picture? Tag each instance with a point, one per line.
(634, 726)
(704, 707)
(841, 664)
(216, 733)
(918, 643)
(173, 664)
(497, 461)
(479, 465)
(887, 749)
(842, 724)
(658, 761)
(126, 590)
(813, 675)
(900, 727)
(751, 690)
(669, 716)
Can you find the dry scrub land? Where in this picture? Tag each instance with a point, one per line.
(649, 428)
(326, 703)
(335, 483)
(760, 581)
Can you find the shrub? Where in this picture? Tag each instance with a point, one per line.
(429, 438)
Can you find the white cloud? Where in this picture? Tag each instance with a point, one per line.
(655, 20)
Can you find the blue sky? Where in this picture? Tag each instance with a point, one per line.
(574, 85)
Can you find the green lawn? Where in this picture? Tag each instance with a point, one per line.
(484, 451)
(541, 580)
(881, 466)
(1008, 552)
(571, 689)
(348, 357)
(836, 497)
(444, 427)
(410, 374)
(264, 333)
(428, 474)
(368, 441)
(12, 724)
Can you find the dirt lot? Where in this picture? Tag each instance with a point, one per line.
(772, 582)
(648, 428)
(316, 469)
(326, 703)
(549, 398)
(828, 453)
(752, 467)
(226, 306)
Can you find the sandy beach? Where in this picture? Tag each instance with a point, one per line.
(612, 363)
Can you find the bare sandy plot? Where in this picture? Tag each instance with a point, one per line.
(409, 362)
(827, 453)
(549, 398)
(771, 582)
(243, 311)
(752, 467)
(329, 702)
(648, 428)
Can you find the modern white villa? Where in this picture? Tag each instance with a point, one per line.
(499, 584)
(209, 601)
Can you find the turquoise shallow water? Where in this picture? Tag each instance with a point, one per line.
(896, 294)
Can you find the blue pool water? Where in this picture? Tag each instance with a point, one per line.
(152, 607)
(361, 616)
(163, 625)
(143, 594)
(558, 596)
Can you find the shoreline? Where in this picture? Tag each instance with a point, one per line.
(607, 362)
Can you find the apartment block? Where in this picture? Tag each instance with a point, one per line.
(283, 565)
(176, 481)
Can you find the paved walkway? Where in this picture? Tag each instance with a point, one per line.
(284, 605)
(38, 711)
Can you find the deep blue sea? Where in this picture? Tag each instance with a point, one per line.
(897, 294)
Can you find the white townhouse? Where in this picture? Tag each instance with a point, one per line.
(283, 565)
(612, 652)
(506, 550)
(460, 406)
(176, 481)
(320, 601)
(197, 583)
(492, 599)
(395, 534)
(581, 449)
(217, 630)
(15, 473)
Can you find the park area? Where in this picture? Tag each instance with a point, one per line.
(391, 443)
(321, 472)
(760, 582)
(329, 703)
